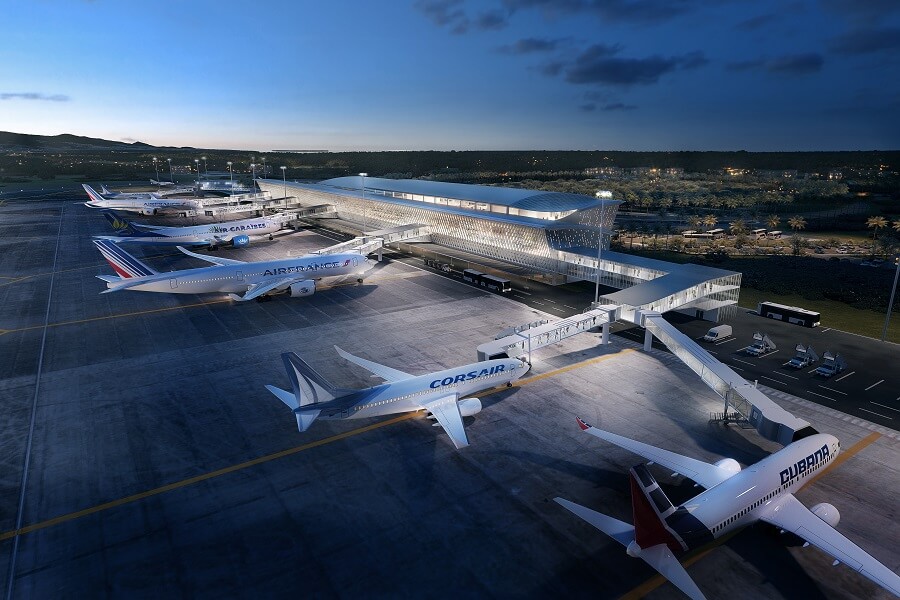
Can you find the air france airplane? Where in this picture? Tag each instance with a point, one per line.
(732, 500)
(147, 204)
(213, 235)
(442, 394)
(242, 281)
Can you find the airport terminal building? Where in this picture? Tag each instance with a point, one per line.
(553, 234)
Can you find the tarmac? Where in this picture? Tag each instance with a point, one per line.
(141, 456)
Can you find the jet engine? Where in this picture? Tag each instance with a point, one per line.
(827, 513)
(149, 211)
(303, 288)
(469, 406)
(729, 465)
(239, 241)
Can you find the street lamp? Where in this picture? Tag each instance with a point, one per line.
(284, 179)
(265, 170)
(197, 162)
(231, 172)
(601, 196)
(887, 317)
(171, 172)
(253, 171)
(156, 166)
(205, 168)
(365, 205)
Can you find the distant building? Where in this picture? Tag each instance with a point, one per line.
(604, 171)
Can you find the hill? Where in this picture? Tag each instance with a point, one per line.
(66, 142)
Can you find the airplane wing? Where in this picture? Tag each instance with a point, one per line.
(213, 259)
(659, 557)
(706, 474)
(446, 411)
(386, 373)
(791, 515)
(257, 290)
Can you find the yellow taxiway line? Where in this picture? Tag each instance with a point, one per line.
(658, 580)
(264, 459)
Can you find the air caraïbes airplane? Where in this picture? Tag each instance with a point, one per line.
(147, 204)
(235, 233)
(733, 499)
(242, 281)
(443, 394)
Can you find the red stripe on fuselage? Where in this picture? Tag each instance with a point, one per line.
(649, 530)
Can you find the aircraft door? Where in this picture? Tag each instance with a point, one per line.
(173, 283)
(239, 275)
(355, 262)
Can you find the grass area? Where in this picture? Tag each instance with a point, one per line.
(834, 314)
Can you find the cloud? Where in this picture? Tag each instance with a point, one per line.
(619, 106)
(792, 64)
(630, 11)
(589, 107)
(491, 20)
(867, 11)
(445, 13)
(599, 65)
(866, 41)
(552, 68)
(34, 96)
(532, 45)
(754, 23)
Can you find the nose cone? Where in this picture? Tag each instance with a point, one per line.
(524, 367)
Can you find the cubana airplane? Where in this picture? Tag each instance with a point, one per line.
(146, 204)
(443, 393)
(242, 281)
(213, 235)
(733, 499)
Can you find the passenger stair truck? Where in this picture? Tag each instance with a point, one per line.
(805, 356)
(761, 345)
(832, 365)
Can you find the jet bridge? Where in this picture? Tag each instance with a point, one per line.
(375, 240)
(522, 340)
(770, 420)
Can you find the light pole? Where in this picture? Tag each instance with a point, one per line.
(365, 205)
(156, 166)
(197, 162)
(284, 179)
(205, 168)
(231, 172)
(601, 196)
(887, 317)
(253, 171)
(265, 170)
(171, 172)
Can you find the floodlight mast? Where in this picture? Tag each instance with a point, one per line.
(601, 196)
(284, 180)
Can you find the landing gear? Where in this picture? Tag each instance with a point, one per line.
(509, 384)
(271, 237)
(359, 280)
(213, 248)
(264, 298)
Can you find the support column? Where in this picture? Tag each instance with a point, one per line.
(604, 338)
(380, 250)
(648, 340)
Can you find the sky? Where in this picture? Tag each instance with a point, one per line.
(457, 74)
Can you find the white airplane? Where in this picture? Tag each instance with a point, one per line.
(147, 204)
(442, 394)
(212, 235)
(162, 183)
(732, 500)
(242, 281)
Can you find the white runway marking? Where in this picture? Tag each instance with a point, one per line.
(833, 390)
(873, 385)
(879, 414)
(845, 376)
(744, 361)
(885, 406)
(821, 396)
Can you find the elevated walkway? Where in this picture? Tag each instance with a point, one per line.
(523, 340)
(770, 420)
(374, 241)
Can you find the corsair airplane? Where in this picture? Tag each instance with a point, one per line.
(147, 204)
(213, 235)
(443, 394)
(242, 281)
(732, 500)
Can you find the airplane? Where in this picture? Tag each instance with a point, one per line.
(213, 235)
(242, 281)
(144, 203)
(443, 393)
(733, 499)
(162, 183)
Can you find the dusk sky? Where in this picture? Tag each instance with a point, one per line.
(457, 74)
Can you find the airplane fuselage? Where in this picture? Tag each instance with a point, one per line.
(237, 279)
(211, 234)
(741, 499)
(144, 206)
(410, 394)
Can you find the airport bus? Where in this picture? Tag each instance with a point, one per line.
(791, 314)
(758, 233)
(491, 282)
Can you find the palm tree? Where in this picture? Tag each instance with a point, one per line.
(710, 220)
(695, 221)
(876, 223)
(772, 221)
(797, 223)
(738, 227)
(896, 226)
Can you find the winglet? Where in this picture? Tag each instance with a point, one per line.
(581, 423)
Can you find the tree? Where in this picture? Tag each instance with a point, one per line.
(738, 227)
(710, 220)
(695, 221)
(797, 223)
(876, 223)
(896, 226)
(772, 221)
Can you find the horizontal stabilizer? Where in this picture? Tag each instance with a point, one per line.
(306, 418)
(288, 398)
(618, 530)
(386, 373)
(212, 259)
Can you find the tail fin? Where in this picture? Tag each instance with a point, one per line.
(121, 225)
(308, 387)
(92, 193)
(651, 507)
(122, 263)
(104, 189)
